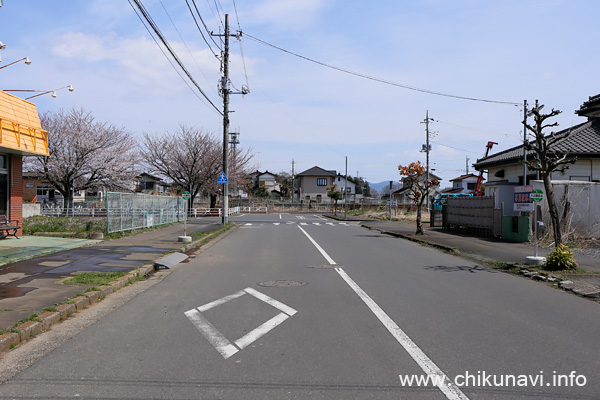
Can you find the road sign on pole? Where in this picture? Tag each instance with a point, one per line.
(522, 199)
(536, 195)
(222, 178)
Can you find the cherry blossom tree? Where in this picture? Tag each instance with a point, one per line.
(84, 153)
(193, 160)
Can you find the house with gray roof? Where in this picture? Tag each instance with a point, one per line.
(505, 168)
(583, 142)
(313, 184)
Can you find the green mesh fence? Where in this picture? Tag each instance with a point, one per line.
(125, 211)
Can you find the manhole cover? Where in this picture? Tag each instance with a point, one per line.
(281, 283)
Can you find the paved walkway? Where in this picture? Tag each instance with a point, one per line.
(32, 265)
(481, 247)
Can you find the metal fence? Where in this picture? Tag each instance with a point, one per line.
(125, 211)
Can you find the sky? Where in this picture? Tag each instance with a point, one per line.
(503, 52)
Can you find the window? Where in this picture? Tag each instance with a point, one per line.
(471, 185)
(321, 181)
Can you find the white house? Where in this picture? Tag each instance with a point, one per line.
(462, 184)
(348, 185)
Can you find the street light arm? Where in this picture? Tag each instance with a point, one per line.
(26, 59)
(41, 92)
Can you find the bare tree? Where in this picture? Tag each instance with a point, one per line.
(192, 159)
(84, 153)
(418, 187)
(547, 161)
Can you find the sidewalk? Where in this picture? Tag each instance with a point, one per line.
(32, 265)
(484, 248)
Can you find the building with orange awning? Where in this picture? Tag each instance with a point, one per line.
(21, 134)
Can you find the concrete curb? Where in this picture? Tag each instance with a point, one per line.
(448, 249)
(45, 321)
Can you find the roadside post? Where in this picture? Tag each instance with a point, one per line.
(185, 238)
(390, 200)
(524, 201)
(536, 196)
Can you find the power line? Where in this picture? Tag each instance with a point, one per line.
(455, 148)
(472, 129)
(150, 21)
(167, 57)
(184, 42)
(205, 27)
(240, 43)
(387, 82)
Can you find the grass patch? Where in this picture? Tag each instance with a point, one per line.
(32, 317)
(13, 329)
(78, 224)
(94, 278)
(47, 223)
(50, 309)
(5, 309)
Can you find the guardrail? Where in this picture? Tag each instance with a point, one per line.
(212, 212)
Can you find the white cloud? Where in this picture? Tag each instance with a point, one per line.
(289, 14)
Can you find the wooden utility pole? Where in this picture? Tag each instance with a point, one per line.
(225, 92)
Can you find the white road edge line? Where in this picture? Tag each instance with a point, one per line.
(211, 333)
(450, 390)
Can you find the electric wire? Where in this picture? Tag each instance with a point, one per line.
(470, 128)
(455, 148)
(205, 27)
(217, 14)
(240, 43)
(236, 15)
(170, 62)
(184, 42)
(385, 81)
(154, 27)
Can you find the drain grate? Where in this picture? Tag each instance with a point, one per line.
(281, 283)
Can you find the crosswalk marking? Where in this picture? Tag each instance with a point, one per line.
(319, 224)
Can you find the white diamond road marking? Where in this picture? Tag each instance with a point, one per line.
(218, 340)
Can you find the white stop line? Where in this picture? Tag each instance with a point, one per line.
(450, 390)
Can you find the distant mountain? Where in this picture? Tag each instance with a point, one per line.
(380, 185)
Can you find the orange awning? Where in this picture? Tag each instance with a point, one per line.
(20, 127)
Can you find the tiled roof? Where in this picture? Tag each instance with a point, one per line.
(591, 107)
(584, 141)
(317, 171)
(460, 178)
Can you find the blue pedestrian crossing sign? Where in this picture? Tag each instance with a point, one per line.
(222, 178)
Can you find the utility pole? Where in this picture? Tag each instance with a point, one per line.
(467, 165)
(225, 92)
(346, 191)
(524, 141)
(293, 185)
(426, 148)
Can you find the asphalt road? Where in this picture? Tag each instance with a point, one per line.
(297, 307)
